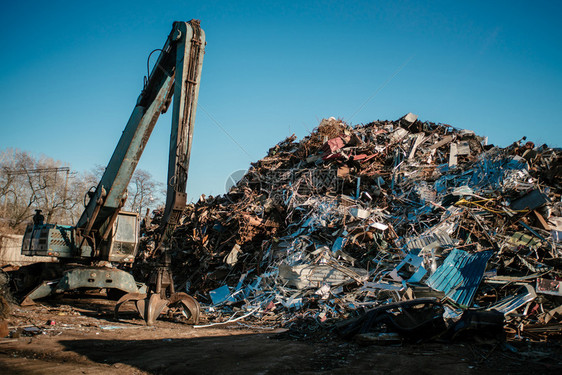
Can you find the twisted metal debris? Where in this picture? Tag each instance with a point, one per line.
(355, 218)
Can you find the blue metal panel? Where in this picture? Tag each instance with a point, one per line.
(460, 275)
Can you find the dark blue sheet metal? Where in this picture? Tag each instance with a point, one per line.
(460, 275)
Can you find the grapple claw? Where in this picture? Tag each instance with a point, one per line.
(136, 297)
(155, 306)
(187, 305)
(150, 307)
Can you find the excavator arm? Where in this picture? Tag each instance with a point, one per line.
(176, 74)
(185, 103)
(104, 232)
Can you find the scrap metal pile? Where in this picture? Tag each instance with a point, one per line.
(382, 222)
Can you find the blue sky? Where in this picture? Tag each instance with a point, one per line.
(71, 71)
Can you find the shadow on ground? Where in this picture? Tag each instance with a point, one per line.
(262, 354)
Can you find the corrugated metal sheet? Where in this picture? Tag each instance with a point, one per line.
(511, 303)
(460, 275)
(420, 242)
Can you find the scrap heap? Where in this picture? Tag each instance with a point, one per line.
(386, 222)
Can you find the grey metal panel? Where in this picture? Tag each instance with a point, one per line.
(420, 242)
(512, 302)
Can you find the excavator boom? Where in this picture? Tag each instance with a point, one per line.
(177, 73)
(104, 232)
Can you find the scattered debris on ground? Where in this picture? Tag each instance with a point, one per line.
(402, 230)
(76, 334)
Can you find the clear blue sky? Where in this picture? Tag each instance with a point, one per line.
(70, 73)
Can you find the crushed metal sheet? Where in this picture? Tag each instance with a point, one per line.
(511, 303)
(314, 276)
(460, 275)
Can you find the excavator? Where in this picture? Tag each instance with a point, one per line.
(105, 236)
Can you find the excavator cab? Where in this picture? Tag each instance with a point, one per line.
(122, 244)
(59, 241)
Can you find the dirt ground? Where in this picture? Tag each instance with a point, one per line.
(84, 339)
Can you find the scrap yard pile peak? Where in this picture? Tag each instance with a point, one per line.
(392, 227)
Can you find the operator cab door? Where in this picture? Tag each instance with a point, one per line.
(124, 239)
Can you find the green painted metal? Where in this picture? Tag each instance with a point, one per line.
(49, 240)
(46, 288)
(177, 74)
(87, 278)
(97, 278)
(189, 64)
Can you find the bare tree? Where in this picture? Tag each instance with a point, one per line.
(143, 191)
(16, 196)
(28, 183)
(6, 188)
